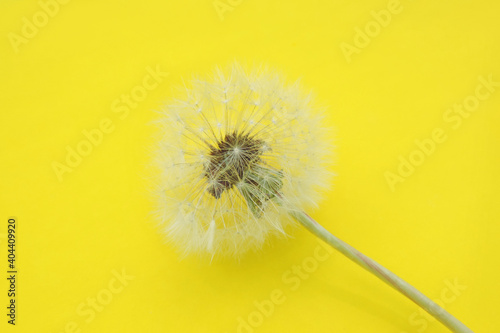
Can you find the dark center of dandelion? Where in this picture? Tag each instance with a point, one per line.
(236, 161)
(230, 161)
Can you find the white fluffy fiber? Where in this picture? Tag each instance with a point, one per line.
(258, 103)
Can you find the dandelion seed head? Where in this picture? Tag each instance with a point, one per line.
(237, 152)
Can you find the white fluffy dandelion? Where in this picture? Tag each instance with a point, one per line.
(231, 146)
(242, 155)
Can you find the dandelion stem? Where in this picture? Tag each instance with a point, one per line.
(382, 273)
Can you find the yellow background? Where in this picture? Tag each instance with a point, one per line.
(439, 225)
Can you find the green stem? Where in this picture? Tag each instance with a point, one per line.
(382, 273)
